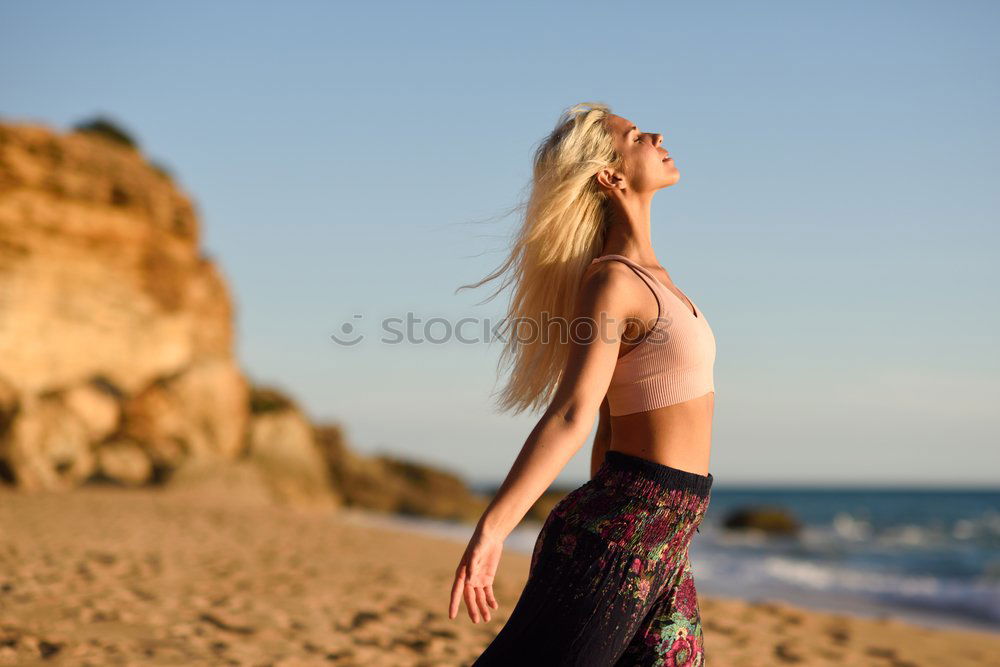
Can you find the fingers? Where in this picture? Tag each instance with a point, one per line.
(491, 598)
(484, 609)
(456, 592)
(478, 599)
(470, 602)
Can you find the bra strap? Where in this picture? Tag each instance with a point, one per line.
(623, 258)
(646, 278)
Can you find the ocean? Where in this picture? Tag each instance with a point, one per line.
(928, 556)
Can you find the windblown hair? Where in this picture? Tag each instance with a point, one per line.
(564, 226)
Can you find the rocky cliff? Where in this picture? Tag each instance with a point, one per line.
(116, 346)
(116, 333)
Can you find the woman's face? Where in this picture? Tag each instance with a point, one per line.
(647, 165)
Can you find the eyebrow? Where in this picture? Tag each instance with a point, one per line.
(630, 129)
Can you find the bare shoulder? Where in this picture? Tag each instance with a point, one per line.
(611, 289)
(608, 275)
(611, 282)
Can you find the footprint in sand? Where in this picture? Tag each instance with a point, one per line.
(838, 635)
(786, 653)
(363, 618)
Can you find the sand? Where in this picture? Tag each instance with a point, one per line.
(105, 576)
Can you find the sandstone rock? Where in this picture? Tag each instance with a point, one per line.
(96, 407)
(123, 461)
(283, 447)
(100, 271)
(8, 400)
(108, 309)
(201, 412)
(391, 484)
(46, 446)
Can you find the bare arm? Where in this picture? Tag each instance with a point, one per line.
(602, 440)
(562, 430)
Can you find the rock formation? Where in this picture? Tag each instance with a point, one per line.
(116, 347)
(115, 331)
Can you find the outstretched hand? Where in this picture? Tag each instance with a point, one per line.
(474, 577)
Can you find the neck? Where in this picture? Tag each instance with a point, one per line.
(629, 230)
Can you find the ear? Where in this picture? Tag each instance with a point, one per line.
(609, 178)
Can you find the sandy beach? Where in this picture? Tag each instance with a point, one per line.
(106, 575)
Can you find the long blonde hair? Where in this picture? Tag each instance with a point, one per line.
(563, 230)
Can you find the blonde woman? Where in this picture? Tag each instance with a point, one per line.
(610, 581)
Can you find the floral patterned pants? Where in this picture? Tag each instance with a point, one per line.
(610, 582)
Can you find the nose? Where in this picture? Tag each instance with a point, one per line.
(659, 139)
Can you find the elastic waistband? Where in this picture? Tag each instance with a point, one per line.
(658, 472)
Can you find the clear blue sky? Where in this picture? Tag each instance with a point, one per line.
(836, 217)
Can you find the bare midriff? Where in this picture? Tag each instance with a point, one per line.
(679, 435)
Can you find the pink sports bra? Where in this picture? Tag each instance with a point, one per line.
(673, 363)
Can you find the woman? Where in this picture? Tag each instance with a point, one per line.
(610, 580)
